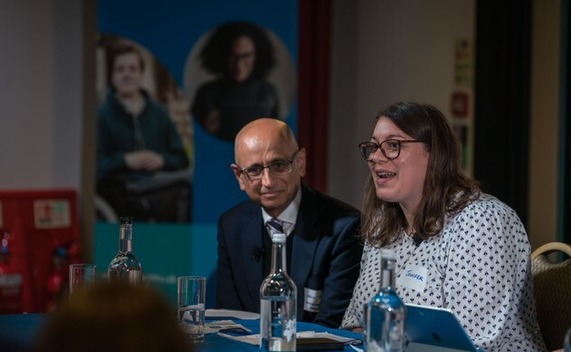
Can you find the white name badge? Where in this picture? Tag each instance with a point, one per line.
(311, 300)
(413, 277)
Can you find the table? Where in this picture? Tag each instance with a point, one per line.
(214, 342)
(18, 332)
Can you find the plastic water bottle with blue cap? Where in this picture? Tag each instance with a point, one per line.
(387, 312)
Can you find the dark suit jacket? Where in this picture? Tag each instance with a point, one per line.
(325, 256)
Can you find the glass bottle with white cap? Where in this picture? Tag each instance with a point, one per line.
(125, 266)
(278, 297)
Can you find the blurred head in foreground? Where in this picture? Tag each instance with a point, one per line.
(114, 316)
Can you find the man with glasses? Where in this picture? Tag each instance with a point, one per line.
(323, 251)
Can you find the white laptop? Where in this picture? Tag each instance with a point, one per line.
(431, 329)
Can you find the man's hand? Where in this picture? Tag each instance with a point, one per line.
(147, 160)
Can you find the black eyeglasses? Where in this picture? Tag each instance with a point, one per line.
(277, 167)
(390, 148)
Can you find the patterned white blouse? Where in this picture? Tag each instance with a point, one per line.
(479, 267)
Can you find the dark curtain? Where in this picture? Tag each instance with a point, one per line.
(313, 87)
(502, 104)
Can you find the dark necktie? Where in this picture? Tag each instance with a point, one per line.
(275, 226)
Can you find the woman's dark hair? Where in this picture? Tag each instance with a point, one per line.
(214, 55)
(446, 189)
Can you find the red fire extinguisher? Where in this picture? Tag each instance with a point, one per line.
(57, 279)
(11, 280)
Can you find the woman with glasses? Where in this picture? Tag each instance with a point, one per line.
(457, 247)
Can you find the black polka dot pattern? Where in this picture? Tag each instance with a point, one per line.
(479, 267)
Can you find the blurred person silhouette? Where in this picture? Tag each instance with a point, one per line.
(142, 167)
(241, 55)
(113, 317)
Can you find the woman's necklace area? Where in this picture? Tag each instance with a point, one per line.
(410, 243)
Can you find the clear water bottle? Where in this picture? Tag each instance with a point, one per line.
(387, 312)
(278, 296)
(125, 266)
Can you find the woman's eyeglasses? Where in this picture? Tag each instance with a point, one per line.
(390, 148)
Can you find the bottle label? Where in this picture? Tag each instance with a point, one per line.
(312, 299)
(278, 324)
(414, 277)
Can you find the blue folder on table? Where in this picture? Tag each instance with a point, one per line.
(435, 329)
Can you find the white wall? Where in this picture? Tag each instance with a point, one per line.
(40, 81)
(26, 83)
(385, 51)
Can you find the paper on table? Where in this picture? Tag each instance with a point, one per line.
(254, 339)
(217, 325)
(228, 313)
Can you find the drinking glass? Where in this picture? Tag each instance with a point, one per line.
(191, 303)
(567, 341)
(80, 275)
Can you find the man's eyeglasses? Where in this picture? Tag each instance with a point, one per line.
(390, 148)
(277, 167)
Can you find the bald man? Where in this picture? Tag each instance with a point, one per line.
(323, 251)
